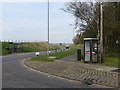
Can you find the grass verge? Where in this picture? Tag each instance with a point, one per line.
(57, 55)
(44, 58)
(111, 61)
(60, 55)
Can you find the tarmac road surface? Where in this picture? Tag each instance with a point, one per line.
(16, 75)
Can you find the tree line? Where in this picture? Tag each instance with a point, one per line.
(87, 22)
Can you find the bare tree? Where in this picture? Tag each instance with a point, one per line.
(85, 13)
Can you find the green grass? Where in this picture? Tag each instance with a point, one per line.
(111, 61)
(28, 47)
(41, 58)
(3, 46)
(0, 48)
(37, 46)
(58, 55)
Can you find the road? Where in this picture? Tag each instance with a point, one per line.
(16, 75)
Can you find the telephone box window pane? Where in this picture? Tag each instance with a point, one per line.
(87, 57)
(94, 57)
(87, 46)
(87, 50)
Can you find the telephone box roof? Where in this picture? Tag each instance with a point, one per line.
(90, 39)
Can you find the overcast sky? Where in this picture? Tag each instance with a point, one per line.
(28, 21)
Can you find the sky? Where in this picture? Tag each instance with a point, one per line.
(29, 21)
(0, 21)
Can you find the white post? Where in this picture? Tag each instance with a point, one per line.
(48, 30)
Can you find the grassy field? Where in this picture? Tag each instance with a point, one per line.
(27, 47)
(37, 46)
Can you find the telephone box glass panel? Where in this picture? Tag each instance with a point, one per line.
(87, 50)
(94, 51)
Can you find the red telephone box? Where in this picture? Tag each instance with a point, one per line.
(90, 50)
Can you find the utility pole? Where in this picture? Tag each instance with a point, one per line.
(101, 32)
(48, 30)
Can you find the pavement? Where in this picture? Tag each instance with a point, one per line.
(70, 68)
